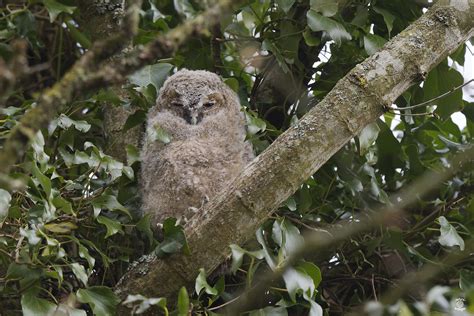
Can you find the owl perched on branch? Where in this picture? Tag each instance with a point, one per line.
(195, 144)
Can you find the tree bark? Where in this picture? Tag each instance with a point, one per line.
(357, 100)
(100, 20)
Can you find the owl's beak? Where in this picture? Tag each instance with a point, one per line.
(192, 116)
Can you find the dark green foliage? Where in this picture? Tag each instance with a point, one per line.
(71, 229)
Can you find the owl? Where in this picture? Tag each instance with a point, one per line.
(200, 148)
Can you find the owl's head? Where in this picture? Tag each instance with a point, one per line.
(195, 95)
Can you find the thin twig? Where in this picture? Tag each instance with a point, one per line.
(434, 99)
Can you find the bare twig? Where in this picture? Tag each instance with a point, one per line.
(434, 99)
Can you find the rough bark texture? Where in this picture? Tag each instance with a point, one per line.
(357, 100)
(99, 20)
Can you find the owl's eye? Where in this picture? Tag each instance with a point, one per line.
(209, 104)
(177, 104)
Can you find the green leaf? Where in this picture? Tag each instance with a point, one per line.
(80, 272)
(144, 225)
(183, 302)
(367, 137)
(63, 205)
(334, 29)
(101, 299)
(153, 74)
(449, 236)
(174, 239)
(5, 199)
(316, 309)
(268, 255)
(55, 8)
(65, 122)
(108, 202)
(373, 43)
(238, 256)
(145, 303)
(232, 83)
(33, 306)
(466, 280)
(184, 7)
(201, 284)
(291, 238)
(310, 39)
(133, 154)
(312, 270)
(112, 226)
(254, 124)
(388, 18)
(135, 119)
(285, 5)
(44, 181)
(298, 281)
(61, 227)
(326, 7)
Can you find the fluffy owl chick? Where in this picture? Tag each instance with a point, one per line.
(207, 147)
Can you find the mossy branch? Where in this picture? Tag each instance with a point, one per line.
(90, 73)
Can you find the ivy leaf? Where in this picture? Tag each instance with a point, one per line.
(238, 256)
(334, 29)
(55, 8)
(316, 309)
(61, 227)
(33, 306)
(298, 281)
(174, 239)
(183, 302)
(65, 122)
(145, 302)
(285, 5)
(5, 199)
(184, 8)
(201, 284)
(101, 299)
(153, 74)
(326, 7)
(80, 272)
(367, 137)
(254, 124)
(109, 202)
(449, 236)
(291, 238)
(133, 154)
(44, 181)
(466, 280)
(112, 226)
(135, 119)
(388, 18)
